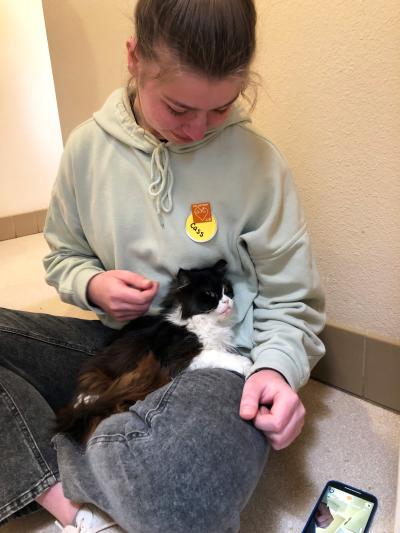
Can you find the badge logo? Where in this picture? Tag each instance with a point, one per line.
(201, 213)
(201, 225)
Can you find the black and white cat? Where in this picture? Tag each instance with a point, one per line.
(193, 330)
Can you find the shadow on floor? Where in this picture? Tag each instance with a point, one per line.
(286, 485)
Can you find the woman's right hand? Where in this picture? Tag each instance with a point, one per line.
(122, 294)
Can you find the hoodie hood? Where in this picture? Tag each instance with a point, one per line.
(117, 119)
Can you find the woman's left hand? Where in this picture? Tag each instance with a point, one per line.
(283, 419)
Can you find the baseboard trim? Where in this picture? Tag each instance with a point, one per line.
(365, 366)
(21, 225)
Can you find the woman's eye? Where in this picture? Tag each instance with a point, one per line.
(179, 113)
(222, 111)
(174, 111)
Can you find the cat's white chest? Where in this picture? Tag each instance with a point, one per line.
(213, 334)
(217, 341)
(221, 359)
(216, 336)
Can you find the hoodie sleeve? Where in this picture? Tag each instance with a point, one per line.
(71, 262)
(289, 306)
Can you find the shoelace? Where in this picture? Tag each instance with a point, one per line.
(73, 529)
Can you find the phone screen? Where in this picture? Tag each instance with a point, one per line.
(341, 511)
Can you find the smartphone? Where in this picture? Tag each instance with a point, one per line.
(341, 509)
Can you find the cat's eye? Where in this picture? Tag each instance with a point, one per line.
(211, 294)
(228, 290)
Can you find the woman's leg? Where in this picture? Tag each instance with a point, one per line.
(40, 357)
(181, 460)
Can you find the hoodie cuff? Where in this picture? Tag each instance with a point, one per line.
(279, 361)
(80, 289)
(80, 297)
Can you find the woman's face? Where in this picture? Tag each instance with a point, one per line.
(180, 105)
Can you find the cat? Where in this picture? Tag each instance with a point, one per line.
(193, 330)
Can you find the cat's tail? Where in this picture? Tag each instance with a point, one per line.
(98, 396)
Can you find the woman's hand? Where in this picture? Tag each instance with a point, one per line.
(122, 294)
(283, 420)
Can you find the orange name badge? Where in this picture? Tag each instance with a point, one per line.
(201, 213)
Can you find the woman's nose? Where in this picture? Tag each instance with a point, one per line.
(197, 127)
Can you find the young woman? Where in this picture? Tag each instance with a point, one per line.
(175, 145)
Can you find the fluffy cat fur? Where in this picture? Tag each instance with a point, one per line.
(192, 331)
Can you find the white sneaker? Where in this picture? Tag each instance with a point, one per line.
(89, 519)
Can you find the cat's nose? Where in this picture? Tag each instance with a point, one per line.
(227, 310)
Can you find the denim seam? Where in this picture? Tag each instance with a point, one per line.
(48, 340)
(28, 496)
(159, 408)
(162, 404)
(26, 432)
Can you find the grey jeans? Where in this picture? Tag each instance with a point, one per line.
(181, 460)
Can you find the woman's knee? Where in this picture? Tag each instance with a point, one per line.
(186, 456)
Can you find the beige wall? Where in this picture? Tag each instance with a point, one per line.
(30, 144)
(332, 104)
(87, 46)
(330, 101)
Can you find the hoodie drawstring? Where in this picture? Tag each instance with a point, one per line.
(161, 180)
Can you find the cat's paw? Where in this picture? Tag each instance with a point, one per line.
(206, 359)
(242, 365)
(218, 359)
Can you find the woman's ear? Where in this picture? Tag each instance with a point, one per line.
(133, 60)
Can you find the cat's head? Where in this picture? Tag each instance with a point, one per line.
(200, 291)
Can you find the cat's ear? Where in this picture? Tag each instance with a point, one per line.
(220, 267)
(183, 278)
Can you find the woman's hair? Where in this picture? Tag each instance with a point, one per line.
(213, 37)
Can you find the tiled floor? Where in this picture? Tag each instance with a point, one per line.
(344, 438)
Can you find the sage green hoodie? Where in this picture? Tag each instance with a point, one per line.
(121, 200)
